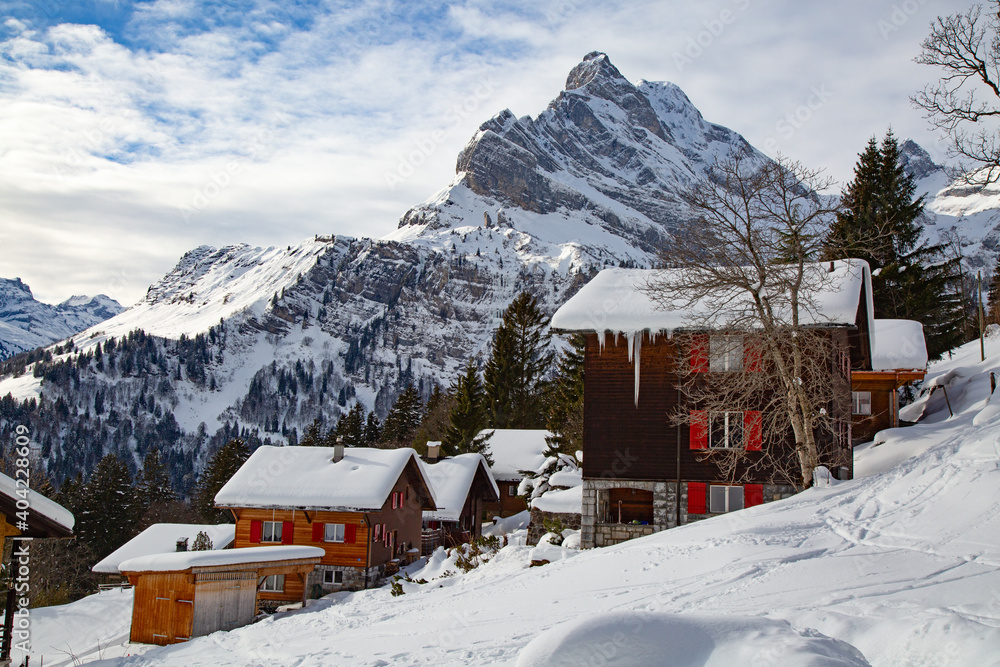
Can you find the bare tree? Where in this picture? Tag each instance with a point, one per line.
(964, 101)
(746, 273)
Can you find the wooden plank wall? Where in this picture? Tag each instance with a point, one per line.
(224, 604)
(162, 609)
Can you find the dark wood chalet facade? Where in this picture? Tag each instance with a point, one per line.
(364, 507)
(645, 471)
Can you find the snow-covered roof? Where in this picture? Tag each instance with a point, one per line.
(38, 503)
(161, 538)
(307, 477)
(452, 479)
(514, 450)
(898, 345)
(183, 560)
(615, 300)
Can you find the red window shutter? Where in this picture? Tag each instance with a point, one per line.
(753, 430)
(318, 530)
(698, 430)
(287, 532)
(699, 353)
(350, 533)
(696, 497)
(256, 527)
(753, 359)
(753, 494)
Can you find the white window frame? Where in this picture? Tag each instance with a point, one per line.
(274, 583)
(511, 490)
(861, 403)
(333, 532)
(725, 353)
(270, 531)
(732, 428)
(330, 577)
(722, 499)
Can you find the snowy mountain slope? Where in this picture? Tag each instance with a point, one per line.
(903, 563)
(26, 324)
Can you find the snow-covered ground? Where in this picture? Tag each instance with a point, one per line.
(902, 563)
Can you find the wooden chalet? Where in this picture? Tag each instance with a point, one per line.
(25, 515)
(462, 485)
(514, 451)
(363, 506)
(642, 472)
(899, 357)
(189, 594)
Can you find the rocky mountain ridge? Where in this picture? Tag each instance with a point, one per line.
(26, 323)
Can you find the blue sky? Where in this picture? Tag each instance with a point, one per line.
(131, 132)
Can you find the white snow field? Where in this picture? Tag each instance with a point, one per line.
(902, 563)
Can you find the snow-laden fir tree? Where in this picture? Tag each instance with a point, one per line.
(879, 222)
(467, 418)
(219, 470)
(110, 509)
(565, 417)
(403, 419)
(514, 377)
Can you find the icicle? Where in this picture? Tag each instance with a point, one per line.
(637, 345)
(600, 341)
(630, 342)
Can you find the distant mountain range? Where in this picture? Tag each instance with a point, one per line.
(26, 323)
(260, 342)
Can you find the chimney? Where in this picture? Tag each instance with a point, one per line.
(433, 450)
(338, 453)
(182, 544)
(831, 266)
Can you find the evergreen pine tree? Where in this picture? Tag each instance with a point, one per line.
(514, 374)
(437, 414)
(467, 418)
(373, 430)
(993, 297)
(110, 508)
(879, 223)
(219, 470)
(313, 436)
(202, 542)
(403, 419)
(565, 417)
(153, 483)
(351, 427)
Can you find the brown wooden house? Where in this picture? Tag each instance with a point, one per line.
(642, 472)
(899, 357)
(189, 594)
(363, 506)
(462, 485)
(514, 451)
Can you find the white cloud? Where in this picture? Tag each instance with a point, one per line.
(112, 152)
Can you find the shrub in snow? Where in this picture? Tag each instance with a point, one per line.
(202, 542)
(471, 556)
(536, 483)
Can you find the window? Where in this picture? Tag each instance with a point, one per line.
(274, 584)
(394, 502)
(333, 577)
(861, 402)
(725, 498)
(376, 535)
(270, 531)
(511, 490)
(725, 353)
(333, 532)
(726, 430)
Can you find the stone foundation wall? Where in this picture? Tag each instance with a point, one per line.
(597, 533)
(353, 579)
(536, 528)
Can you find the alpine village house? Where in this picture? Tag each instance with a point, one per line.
(362, 506)
(643, 471)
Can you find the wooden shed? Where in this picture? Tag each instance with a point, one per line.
(462, 484)
(193, 593)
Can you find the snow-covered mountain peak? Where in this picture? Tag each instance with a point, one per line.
(26, 323)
